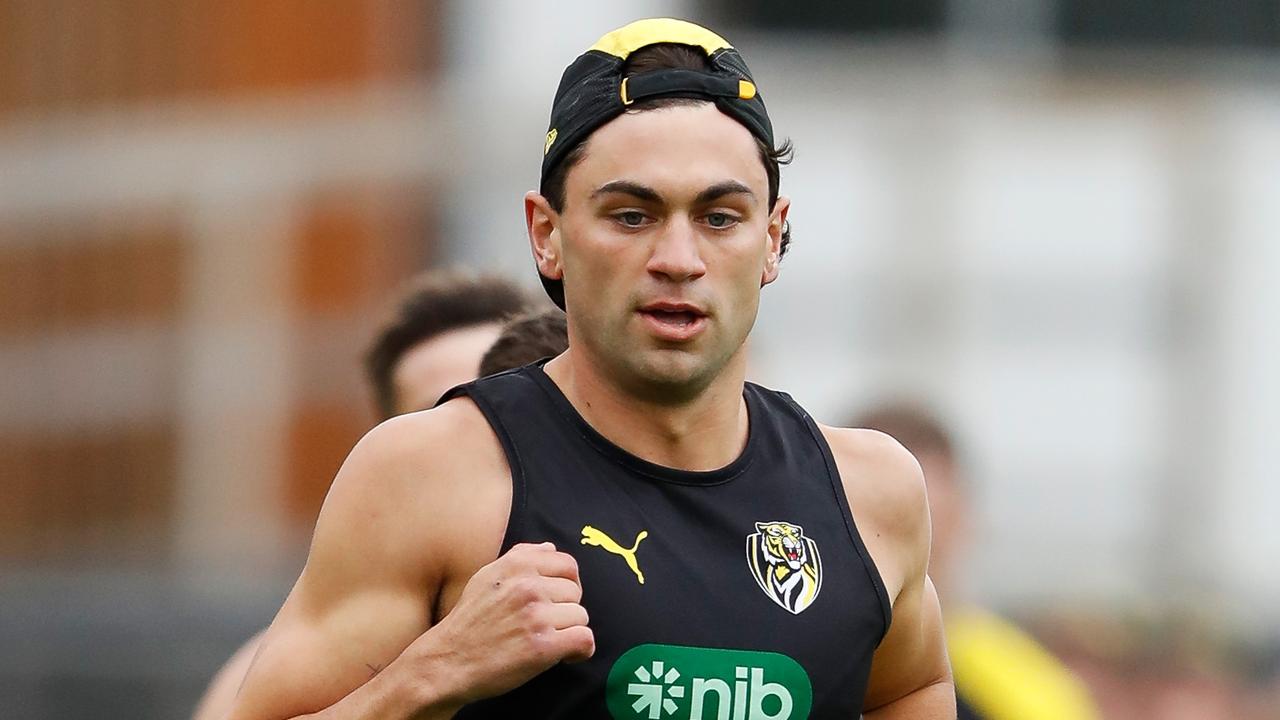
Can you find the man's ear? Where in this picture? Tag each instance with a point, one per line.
(777, 223)
(543, 224)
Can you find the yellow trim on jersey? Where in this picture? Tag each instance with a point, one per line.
(627, 39)
(1005, 675)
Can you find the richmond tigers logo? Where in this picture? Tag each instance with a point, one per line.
(785, 564)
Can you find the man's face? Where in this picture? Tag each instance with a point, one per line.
(430, 368)
(663, 244)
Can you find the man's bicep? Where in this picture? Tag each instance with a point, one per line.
(221, 693)
(310, 658)
(358, 602)
(913, 654)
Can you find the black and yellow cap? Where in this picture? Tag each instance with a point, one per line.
(592, 90)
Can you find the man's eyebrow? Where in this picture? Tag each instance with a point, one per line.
(720, 189)
(627, 187)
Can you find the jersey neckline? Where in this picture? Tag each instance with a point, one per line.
(638, 464)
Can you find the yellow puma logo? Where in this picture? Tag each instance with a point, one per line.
(592, 536)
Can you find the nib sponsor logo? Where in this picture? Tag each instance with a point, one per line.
(656, 692)
(673, 682)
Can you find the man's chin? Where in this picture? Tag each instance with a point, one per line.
(676, 374)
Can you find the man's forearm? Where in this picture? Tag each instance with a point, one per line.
(387, 696)
(395, 693)
(936, 701)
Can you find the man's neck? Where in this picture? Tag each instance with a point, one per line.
(707, 432)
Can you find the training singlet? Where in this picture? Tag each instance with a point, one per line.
(743, 593)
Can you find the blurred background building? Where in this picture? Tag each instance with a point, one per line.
(1057, 220)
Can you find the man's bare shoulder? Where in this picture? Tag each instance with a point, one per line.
(422, 450)
(410, 481)
(879, 467)
(457, 422)
(886, 491)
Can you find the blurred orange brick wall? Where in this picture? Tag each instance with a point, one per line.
(80, 485)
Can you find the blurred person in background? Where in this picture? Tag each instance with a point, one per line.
(525, 339)
(436, 337)
(1164, 666)
(1000, 672)
(434, 584)
(444, 326)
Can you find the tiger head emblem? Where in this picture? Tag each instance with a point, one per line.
(785, 564)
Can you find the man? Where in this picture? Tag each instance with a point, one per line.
(630, 530)
(444, 326)
(437, 336)
(525, 339)
(1001, 673)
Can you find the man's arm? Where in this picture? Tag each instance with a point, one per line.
(222, 690)
(355, 638)
(910, 674)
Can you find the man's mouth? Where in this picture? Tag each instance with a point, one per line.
(677, 317)
(674, 321)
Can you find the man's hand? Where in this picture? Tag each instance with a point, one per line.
(518, 616)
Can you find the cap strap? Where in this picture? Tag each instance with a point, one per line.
(675, 83)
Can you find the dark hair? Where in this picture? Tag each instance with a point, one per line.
(660, 57)
(525, 339)
(918, 429)
(435, 303)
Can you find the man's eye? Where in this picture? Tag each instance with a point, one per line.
(631, 219)
(720, 220)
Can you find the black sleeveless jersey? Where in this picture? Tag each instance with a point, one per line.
(743, 593)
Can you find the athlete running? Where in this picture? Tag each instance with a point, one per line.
(783, 562)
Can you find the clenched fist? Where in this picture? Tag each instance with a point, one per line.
(517, 616)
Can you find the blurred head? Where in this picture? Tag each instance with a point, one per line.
(660, 227)
(525, 339)
(924, 436)
(435, 338)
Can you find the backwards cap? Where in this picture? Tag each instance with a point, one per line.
(592, 90)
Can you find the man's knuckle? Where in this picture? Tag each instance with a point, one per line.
(581, 639)
(539, 645)
(524, 590)
(527, 613)
(517, 553)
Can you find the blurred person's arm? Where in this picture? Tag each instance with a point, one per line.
(1003, 672)
(910, 675)
(222, 690)
(410, 516)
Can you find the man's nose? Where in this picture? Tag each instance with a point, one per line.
(676, 255)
